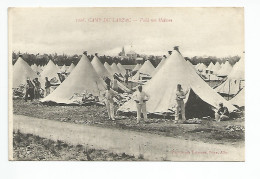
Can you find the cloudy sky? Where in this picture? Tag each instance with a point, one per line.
(198, 31)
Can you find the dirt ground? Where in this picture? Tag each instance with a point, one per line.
(226, 132)
(27, 147)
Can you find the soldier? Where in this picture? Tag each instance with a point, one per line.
(140, 98)
(37, 88)
(222, 113)
(47, 86)
(29, 90)
(114, 84)
(180, 96)
(109, 95)
(126, 77)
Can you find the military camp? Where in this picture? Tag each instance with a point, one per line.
(128, 91)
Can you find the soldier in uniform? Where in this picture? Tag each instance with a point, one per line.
(47, 86)
(109, 95)
(140, 97)
(180, 96)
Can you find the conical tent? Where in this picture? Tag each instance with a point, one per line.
(121, 68)
(210, 67)
(202, 68)
(39, 69)
(159, 66)
(146, 69)
(197, 66)
(162, 89)
(115, 69)
(222, 64)
(34, 67)
(100, 68)
(137, 67)
(103, 73)
(72, 66)
(216, 68)
(225, 69)
(107, 66)
(239, 99)
(83, 78)
(63, 68)
(235, 80)
(50, 71)
(21, 72)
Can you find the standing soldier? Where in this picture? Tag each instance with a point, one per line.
(126, 77)
(114, 84)
(37, 88)
(29, 90)
(140, 98)
(47, 86)
(109, 95)
(180, 96)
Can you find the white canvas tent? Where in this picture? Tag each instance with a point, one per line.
(216, 68)
(21, 72)
(121, 68)
(115, 69)
(210, 67)
(159, 65)
(50, 71)
(239, 99)
(82, 79)
(235, 80)
(162, 89)
(107, 66)
(202, 68)
(34, 67)
(146, 69)
(103, 73)
(72, 66)
(63, 68)
(225, 69)
(197, 66)
(57, 66)
(137, 67)
(100, 68)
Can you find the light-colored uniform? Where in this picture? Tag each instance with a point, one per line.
(115, 85)
(141, 98)
(180, 95)
(109, 94)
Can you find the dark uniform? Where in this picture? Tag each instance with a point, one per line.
(29, 90)
(47, 87)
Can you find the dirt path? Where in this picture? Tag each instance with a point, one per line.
(150, 146)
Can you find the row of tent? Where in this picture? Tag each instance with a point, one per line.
(216, 69)
(22, 71)
(172, 70)
(162, 89)
(85, 73)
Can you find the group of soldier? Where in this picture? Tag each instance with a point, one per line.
(33, 89)
(141, 97)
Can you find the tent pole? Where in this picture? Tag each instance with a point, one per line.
(228, 88)
(209, 79)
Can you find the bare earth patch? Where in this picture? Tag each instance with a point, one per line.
(208, 131)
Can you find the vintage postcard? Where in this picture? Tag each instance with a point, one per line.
(126, 84)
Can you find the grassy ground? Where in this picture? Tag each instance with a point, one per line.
(31, 147)
(208, 131)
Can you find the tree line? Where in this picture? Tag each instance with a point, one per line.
(64, 59)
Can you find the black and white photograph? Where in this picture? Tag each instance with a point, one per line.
(126, 84)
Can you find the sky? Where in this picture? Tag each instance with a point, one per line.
(197, 31)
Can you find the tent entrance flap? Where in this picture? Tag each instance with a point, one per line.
(196, 107)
